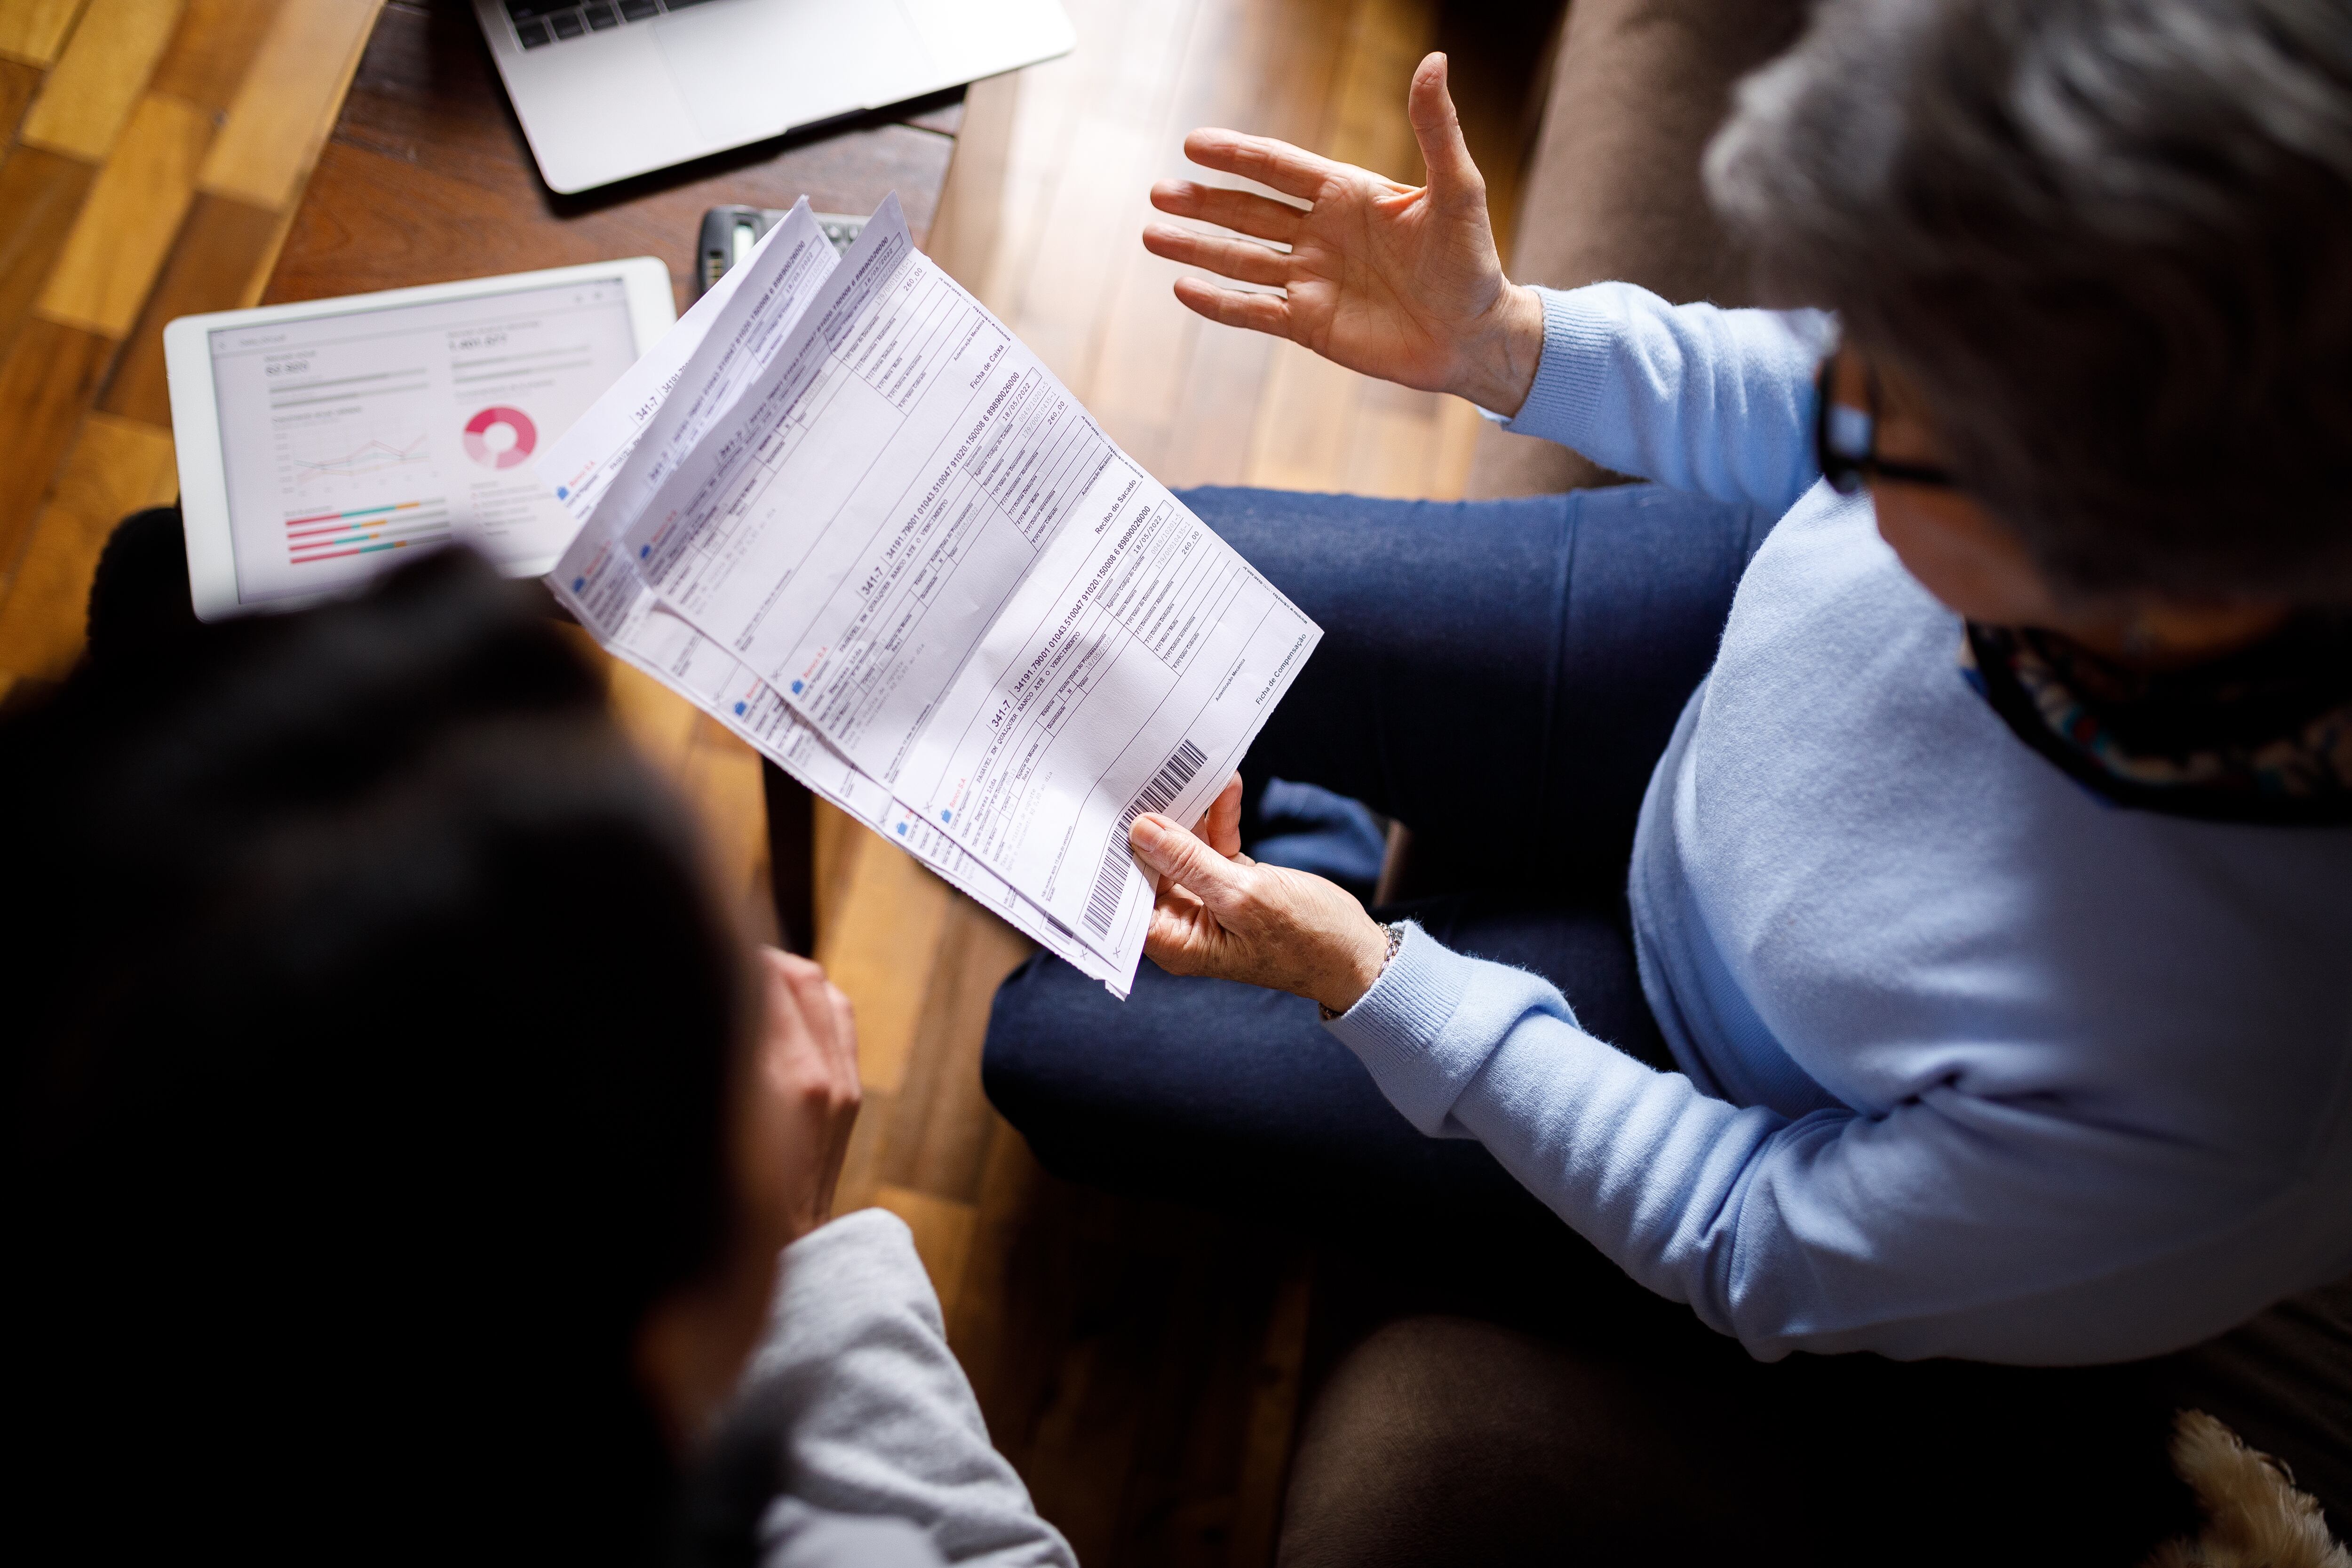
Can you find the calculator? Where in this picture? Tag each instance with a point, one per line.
(730, 233)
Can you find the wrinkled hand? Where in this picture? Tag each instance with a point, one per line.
(1220, 914)
(1396, 282)
(808, 1070)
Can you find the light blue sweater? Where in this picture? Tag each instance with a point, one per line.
(1974, 1063)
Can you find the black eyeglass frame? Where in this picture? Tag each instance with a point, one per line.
(1848, 472)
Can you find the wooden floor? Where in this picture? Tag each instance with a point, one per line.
(1141, 1364)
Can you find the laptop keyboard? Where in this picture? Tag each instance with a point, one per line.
(536, 22)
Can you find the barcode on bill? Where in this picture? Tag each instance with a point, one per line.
(1164, 786)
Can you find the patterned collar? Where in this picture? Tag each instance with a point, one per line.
(2264, 735)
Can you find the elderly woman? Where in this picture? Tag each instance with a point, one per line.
(1972, 976)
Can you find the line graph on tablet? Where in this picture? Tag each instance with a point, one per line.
(372, 456)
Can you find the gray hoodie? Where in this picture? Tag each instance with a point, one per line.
(886, 1461)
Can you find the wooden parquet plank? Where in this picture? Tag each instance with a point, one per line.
(46, 383)
(1191, 1498)
(118, 241)
(881, 948)
(862, 1163)
(964, 228)
(1276, 1385)
(91, 90)
(1062, 311)
(1225, 384)
(116, 467)
(212, 50)
(721, 783)
(941, 1124)
(1393, 449)
(944, 1231)
(1272, 69)
(39, 195)
(1136, 1362)
(1081, 147)
(715, 775)
(19, 83)
(1367, 125)
(1305, 423)
(1076, 1447)
(840, 838)
(287, 103)
(1457, 440)
(1306, 433)
(217, 263)
(659, 721)
(1049, 96)
(34, 31)
(1147, 340)
(1003, 1321)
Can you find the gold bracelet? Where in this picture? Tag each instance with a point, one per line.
(1396, 940)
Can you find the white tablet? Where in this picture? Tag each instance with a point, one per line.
(319, 442)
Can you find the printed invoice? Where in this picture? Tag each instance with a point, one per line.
(613, 604)
(906, 528)
(596, 581)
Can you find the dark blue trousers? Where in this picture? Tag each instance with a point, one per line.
(1500, 677)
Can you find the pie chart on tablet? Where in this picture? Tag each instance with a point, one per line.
(499, 437)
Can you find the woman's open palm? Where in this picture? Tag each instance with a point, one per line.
(1393, 281)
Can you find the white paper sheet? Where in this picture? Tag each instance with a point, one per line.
(724, 340)
(627, 618)
(910, 529)
(714, 350)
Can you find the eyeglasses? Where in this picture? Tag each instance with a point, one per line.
(1845, 439)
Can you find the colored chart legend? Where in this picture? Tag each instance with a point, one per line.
(333, 535)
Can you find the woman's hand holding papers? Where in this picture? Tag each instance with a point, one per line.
(1396, 282)
(1220, 914)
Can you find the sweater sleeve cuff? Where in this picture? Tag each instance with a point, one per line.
(1398, 1029)
(864, 1259)
(1579, 337)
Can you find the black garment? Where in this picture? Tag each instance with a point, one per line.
(140, 604)
(2261, 735)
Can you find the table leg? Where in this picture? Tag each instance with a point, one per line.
(792, 858)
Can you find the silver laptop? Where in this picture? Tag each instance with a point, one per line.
(607, 89)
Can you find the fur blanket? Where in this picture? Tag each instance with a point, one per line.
(2254, 1517)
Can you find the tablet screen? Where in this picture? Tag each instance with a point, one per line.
(348, 439)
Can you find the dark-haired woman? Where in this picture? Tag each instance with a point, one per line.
(1985, 984)
(402, 1142)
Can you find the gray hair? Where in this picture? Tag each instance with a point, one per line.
(2110, 241)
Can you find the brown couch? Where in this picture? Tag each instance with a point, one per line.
(1635, 88)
